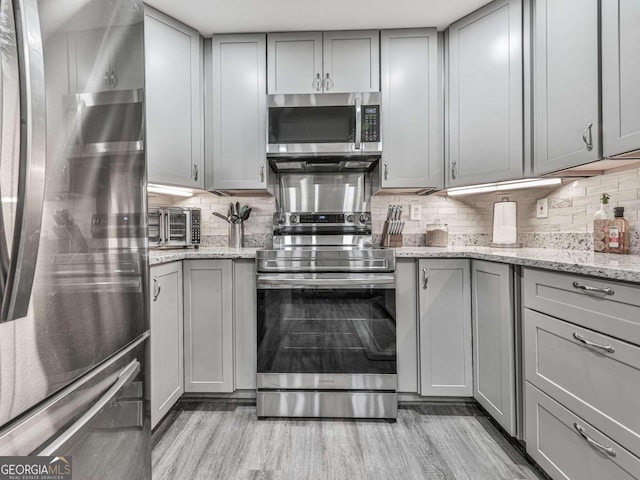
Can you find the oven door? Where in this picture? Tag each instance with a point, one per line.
(177, 227)
(327, 331)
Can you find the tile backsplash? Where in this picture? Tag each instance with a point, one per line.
(569, 224)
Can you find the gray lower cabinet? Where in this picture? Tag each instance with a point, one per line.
(445, 328)
(566, 100)
(245, 324)
(167, 372)
(208, 326)
(567, 447)
(494, 341)
(407, 339)
(411, 116)
(620, 76)
(486, 95)
(174, 101)
(237, 113)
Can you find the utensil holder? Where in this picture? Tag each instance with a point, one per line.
(393, 241)
(236, 235)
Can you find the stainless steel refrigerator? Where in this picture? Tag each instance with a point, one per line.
(73, 235)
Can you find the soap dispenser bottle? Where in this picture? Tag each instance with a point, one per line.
(601, 221)
(619, 232)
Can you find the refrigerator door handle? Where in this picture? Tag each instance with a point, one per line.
(31, 176)
(126, 376)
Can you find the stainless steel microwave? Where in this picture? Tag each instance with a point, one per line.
(332, 124)
(174, 227)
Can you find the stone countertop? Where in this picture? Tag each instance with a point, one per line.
(157, 257)
(604, 265)
(615, 267)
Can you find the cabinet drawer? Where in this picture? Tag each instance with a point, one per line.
(554, 442)
(572, 298)
(599, 385)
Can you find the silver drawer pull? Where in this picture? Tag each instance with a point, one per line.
(425, 276)
(580, 338)
(608, 450)
(587, 288)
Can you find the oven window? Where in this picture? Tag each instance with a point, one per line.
(154, 228)
(327, 331)
(177, 227)
(290, 125)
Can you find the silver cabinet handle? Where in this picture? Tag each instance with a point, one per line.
(114, 79)
(327, 83)
(454, 166)
(608, 450)
(195, 172)
(32, 166)
(386, 170)
(425, 278)
(261, 173)
(606, 348)
(587, 288)
(156, 288)
(106, 79)
(587, 138)
(318, 82)
(126, 376)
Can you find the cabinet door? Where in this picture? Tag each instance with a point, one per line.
(351, 61)
(493, 341)
(167, 371)
(566, 102)
(485, 95)
(245, 316)
(89, 63)
(125, 65)
(173, 102)
(411, 113)
(208, 326)
(239, 112)
(407, 324)
(445, 328)
(620, 76)
(295, 62)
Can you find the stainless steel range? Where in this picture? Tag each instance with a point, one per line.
(326, 305)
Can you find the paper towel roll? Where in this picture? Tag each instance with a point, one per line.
(505, 230)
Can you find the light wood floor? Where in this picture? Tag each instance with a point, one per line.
(225, 440)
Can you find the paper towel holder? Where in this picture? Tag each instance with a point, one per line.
(508, 228)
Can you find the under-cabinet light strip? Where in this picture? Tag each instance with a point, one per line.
(499, 187)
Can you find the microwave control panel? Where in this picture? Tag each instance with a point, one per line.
(371, 123)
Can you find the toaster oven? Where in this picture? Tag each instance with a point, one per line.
(174, 227)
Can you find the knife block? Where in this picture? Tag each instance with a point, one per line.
(393, 241)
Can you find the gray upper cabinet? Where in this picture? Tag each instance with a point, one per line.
(173, 62)
(620, 76)
(238, 109)
(295, 62)
(485, 95)
(445, 328)
(351, 61)
(566, 102)
(95, 67)
(167, 370)
(208, 326)
(411, 114)
(493, 341)
(330, 62)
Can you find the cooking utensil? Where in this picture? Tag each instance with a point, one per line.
(219, 215)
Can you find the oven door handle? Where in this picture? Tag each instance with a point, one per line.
(267, 282)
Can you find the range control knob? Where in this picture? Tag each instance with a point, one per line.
(364, 218)
(293, 219)
(350, 218)
(281, 219)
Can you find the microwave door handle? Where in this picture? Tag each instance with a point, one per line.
(31, 176)
(358, 123)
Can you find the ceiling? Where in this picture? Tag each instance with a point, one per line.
(241, 16)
